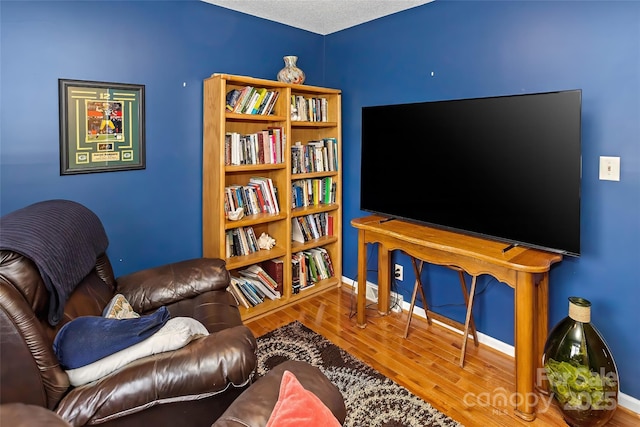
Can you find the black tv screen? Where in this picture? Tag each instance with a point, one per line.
(504, 167)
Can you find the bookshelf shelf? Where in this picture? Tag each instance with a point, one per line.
(236, 262)
(313, 175)
(254, 117)
(313, 209)
(301, 124)
(261, 218)
(219, 174)
(254, 168)
(297, 246)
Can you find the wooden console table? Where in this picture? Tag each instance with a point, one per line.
(525, 270)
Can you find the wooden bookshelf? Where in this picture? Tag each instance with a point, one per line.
(218, 121)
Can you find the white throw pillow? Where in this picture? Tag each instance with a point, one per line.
(176, 333)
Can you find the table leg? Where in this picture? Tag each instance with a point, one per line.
(468, 318)
(384, 275)
(417, 286)
(525, 346)
(362, 280)
(541, 329)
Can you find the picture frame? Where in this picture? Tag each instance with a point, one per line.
(102, 126)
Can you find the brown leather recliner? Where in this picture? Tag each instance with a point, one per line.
(189, 386)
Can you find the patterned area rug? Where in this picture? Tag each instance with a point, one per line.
(372, 400)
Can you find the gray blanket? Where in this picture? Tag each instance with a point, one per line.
(63, 238)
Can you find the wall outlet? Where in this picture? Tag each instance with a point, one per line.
(398, 272)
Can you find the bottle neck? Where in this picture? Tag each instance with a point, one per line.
(580, 313)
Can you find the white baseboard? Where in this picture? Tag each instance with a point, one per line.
(626, 401)
(629, 403)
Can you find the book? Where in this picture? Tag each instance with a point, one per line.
(267, 278)
(275, 269)
(265, 102)
(248, 107)
(278, 142)
(327, 261)
(266, 193)
(272, 102)
(229, 289)
(302, 269)
(241, 96)
(249, 292)
(260, 197)
(251, 284)
(232, 98)
(251, 299)
(256, 106)
(296, 231)
(321, 266)
(271, 193)
(264, 289)
(237, 293)
(243, 99)
(312, 272)
(242, 238)
(257, 272)
(298, 272)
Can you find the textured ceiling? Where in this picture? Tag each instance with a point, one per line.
(319, 16)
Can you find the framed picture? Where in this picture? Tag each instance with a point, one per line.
(101, 126)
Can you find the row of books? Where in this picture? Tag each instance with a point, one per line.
(260, 195)
(313, 192)
(252, 286)
(241, 241)
(264, 147)
(309, 267)
(314, 156)
(251, 100)
(312, 226)
(309, 109)
(259, 282)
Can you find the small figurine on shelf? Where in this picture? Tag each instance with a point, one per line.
(236, 214)
(266, 242)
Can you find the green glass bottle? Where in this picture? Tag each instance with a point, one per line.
(580, 369)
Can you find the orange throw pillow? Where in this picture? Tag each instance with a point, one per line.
(298, 406)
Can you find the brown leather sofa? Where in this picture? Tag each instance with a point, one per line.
(190, 386)
(252, 408)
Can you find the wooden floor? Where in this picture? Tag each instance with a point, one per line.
(426, 363)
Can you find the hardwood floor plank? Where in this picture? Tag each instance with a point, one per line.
(426, 362)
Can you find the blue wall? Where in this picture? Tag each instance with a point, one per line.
(486, 48)
(474, 48)
(152, 216)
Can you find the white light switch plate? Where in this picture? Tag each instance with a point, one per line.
(609, 168)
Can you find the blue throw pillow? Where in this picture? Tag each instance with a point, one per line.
(86, 339)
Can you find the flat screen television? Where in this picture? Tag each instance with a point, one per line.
(506, 168)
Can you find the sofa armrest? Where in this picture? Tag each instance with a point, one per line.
(206, 366)
(154, 287)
